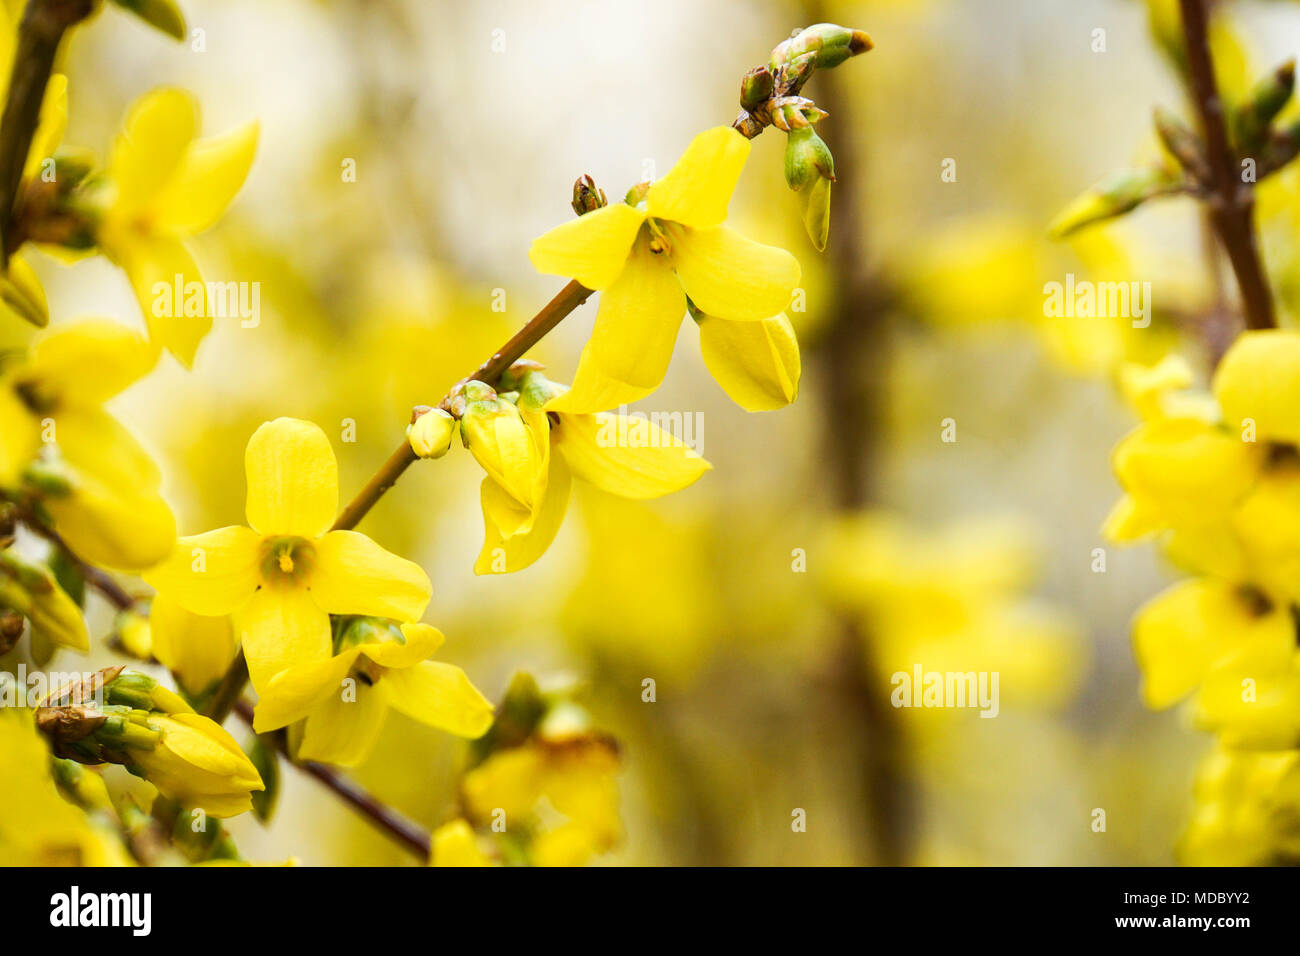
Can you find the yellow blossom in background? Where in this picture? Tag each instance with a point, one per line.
(344, 701)
(573, 778)
(282, 577)
(37, 826)
(647, 255)
(454, 844)
(168, 185)
(1247, 810)
(953, 600)
(626, 456)
(98, 484)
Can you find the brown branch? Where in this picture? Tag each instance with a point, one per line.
(404, 831)
(1232, 203)
(39, 35)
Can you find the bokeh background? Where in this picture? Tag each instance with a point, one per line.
(468, 124)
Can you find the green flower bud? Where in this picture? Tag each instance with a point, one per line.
(1182, 144)
(430, 435)
(755, 88)
(586, 197)
(1261, 107)
(807, 157)
(1120, 192)
(829, 43)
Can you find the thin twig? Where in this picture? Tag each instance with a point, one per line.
(404, 831)
(39, 35)
(1232, 206)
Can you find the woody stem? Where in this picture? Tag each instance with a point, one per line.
(1231, 202)
(39, 35)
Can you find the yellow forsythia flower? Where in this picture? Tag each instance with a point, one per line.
(575, 776)
(285, 575)
(647, 255)
(37, 826)
(198, 764)
(105, 501)
(454, 844)
(388, 666)
(168, 185)
(629, 457)
(509, 441)
(1247, 810)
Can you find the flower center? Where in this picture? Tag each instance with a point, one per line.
(660, 242)
(286, 560)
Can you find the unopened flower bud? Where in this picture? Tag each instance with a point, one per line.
(586, 197)
(163, 15)
(830, 44)
(430, 435)
(1120, 192)
(1263, 104)
(807, 157)
(755, 88)
(31, 590)
(507, 447)
(1182, 144)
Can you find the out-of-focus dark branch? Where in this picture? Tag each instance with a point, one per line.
(1232, 204)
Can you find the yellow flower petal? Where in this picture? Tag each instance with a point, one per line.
(20, 437)
(630, 457)
(1196, 627)
(592, 248)
(297, 691)
(292, 479)
(155, 136)
(632, 343)
(282, 627)
(756, 363)
(51, 125)
(90, 361)
(507, 551)
(210, 174)
(114, 515)
(353, 575)
(440, 695)
(732, 277)
(697, 190)
(344, 732)
(23, 294)
(196, 648)
(1259, 379)
(214, 573)
(454, 844)
(150, 261)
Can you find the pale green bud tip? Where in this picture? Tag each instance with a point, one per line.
(828, 43)
(430, 435)
(1120, 192)
(807, 157)
(161, 14)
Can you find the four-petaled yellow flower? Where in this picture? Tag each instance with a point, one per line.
(647, 255)
(389, 666)
(168, 185)
(101, 488)
(282, 577)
